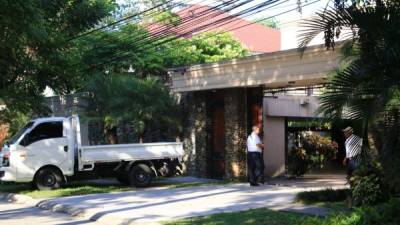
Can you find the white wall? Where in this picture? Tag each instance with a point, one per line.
(290, 29)
(274, 140)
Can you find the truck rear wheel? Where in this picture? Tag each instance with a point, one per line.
(140, 175)
(48, 179)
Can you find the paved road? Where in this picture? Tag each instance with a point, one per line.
(151, 205)
(18, 214)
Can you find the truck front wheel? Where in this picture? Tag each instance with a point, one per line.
(48, 179)
(140, 175)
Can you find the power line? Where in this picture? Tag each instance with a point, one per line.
(171, 39)
(228, 19)
(119, 21)
(279, 14)
(188, 22)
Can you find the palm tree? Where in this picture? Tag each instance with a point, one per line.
(367, 86)
(123, 98)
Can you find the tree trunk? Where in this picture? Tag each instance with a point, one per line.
(111, 135)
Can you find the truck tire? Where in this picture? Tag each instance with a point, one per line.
(140, 175)
(48, 179)
(123, 178)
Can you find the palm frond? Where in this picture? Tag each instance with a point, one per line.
(329, 22)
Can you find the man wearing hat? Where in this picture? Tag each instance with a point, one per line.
(353, 146)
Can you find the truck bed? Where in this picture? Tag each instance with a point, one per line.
(130, 152)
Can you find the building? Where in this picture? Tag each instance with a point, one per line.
(225, 99)
(196, 19)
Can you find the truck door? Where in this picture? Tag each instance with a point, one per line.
(45, 144)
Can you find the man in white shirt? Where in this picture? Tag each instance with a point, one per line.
(254, 157)
(353, 145)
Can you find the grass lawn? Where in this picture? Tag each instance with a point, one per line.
(67, 190)
(251, 217)
(84, 188)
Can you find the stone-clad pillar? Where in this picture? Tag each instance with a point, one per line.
(235, 133)
(194, 131)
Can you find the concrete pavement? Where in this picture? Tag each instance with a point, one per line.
(22, 214)
(162, 204)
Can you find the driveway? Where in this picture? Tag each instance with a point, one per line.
(162, 204)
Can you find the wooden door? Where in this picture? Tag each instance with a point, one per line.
(254, 108)
(217, 167)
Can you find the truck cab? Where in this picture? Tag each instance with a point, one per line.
(41, 145)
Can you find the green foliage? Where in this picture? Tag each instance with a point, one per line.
(368, 185)
(203, 48)
(326, 195)
(310, 151)
(382, 214)
(17, 121)
(167, 17)
(119, 50)
(34, 52)
(122, 98)
(131, 47)
(250, 217)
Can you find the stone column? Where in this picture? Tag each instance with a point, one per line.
(194, 131)
(235, 133)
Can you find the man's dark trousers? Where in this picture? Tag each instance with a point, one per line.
(255, 167)
(352, 164)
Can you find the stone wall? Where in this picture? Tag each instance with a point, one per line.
(197, 133)
(68, 105)
(235, 133)
(92, 131)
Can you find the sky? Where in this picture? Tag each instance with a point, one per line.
(280, 7)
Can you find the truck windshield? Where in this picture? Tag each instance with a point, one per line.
(20, 132)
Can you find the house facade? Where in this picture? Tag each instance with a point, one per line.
(223, 100)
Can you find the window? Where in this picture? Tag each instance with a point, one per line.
(44, 131)
(20, 132)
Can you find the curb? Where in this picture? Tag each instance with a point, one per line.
(61, 208)
(74, 211)
(54, 206)
(18, 199)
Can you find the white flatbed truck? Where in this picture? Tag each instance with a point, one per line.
(48, 152)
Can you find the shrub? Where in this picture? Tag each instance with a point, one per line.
(368, 184)
(387, 213)
(310, 151)
(327, 195)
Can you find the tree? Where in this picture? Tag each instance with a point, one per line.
(124, 98)
(35, 51)
(126, 49)
(367, 86)
(205, 47)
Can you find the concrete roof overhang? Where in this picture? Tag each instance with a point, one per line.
(271, 70)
